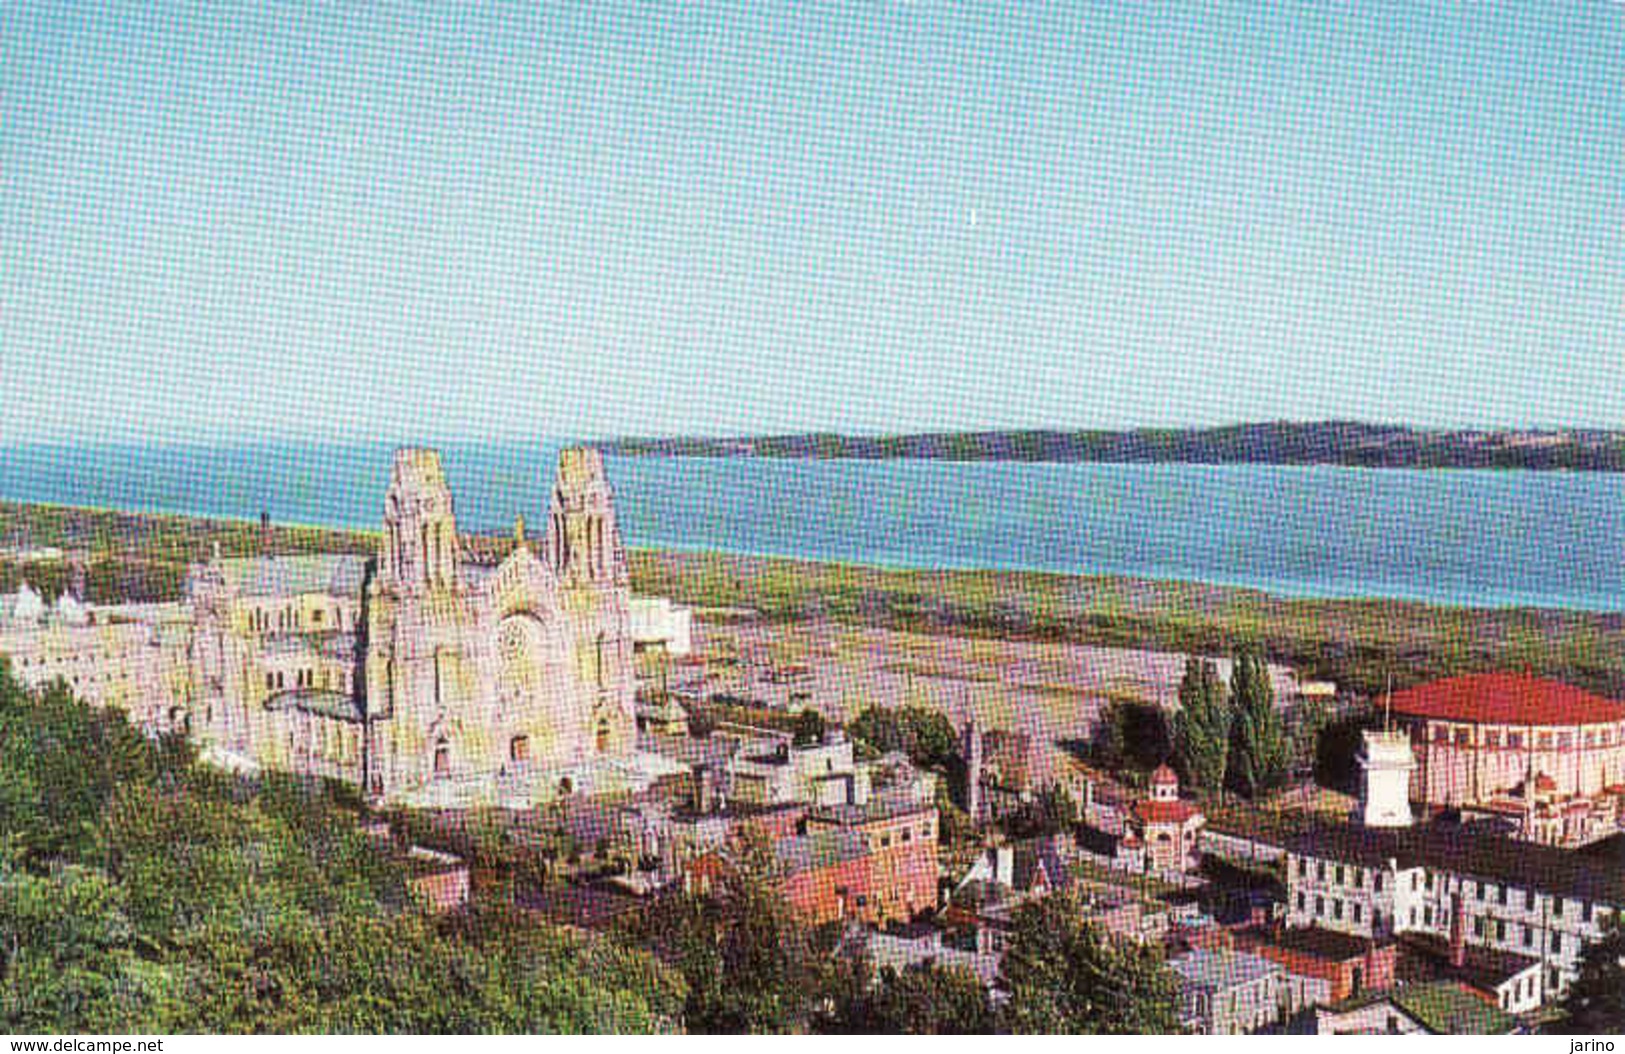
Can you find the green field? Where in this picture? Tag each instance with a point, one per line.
(1354, 642)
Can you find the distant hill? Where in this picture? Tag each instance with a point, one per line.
(1271, 443)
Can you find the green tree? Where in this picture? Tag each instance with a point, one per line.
(809, 727)
(749, 962)
(1065, 976)
(1052, 811)
(1202, 726)
(1258, 742)
(1595, 1002)
(1132, 734)
(925, 735)
(926, 1000)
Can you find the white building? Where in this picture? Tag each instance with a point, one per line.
(658, 623)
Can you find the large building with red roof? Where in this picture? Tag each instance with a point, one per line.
(1546, 757)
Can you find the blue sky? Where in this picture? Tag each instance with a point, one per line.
(471, 221)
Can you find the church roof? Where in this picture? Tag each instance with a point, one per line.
(280, 576)
(1507, 699)
(317, 701)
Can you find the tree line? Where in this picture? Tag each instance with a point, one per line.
(1224, 736)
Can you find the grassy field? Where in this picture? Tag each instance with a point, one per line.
(1355, 642)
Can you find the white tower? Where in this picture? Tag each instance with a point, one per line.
(1386, 763)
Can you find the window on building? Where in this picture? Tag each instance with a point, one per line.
(1320, 906)
(1505, 895)
(1528, 937)
(1557, 906)
(1492, 739)
(1514, 740)
(1303, 904)
(1478, 926)
(1337, 909)
(1463, 737)
(1320, 870)
(1340, 874)
(1358, 911)
(1500, 930)
(519, 748)
(1427, 915)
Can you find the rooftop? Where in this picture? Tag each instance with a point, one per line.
(1427, 958)
(1207, 968)
(1318, 943)
(1447, 1008)
(1507, 699)
(280, 576)
(808, 852)
(317, 701)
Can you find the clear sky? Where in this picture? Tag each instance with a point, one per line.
(470, 221)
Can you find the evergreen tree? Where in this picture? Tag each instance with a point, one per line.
(1595, 1002)
(1258, 742)
(1202, 726)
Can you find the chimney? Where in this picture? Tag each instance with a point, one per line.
(1458, 933)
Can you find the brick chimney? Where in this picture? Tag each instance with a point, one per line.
(1458, 933)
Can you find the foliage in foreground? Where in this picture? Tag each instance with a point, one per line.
(140, 892)
(1595, 1002)
(1065, 976)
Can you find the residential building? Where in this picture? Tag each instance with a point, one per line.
(1225, 992)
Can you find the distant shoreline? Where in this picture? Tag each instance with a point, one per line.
(1330, 443)
(1356, 642)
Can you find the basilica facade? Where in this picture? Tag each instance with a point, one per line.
(422, 674)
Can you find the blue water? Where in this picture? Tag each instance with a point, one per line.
(1455, 537)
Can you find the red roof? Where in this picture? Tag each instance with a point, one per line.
(1164, 775)
(1164, 811)
(1507, 699)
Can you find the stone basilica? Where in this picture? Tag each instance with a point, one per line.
(420, 674)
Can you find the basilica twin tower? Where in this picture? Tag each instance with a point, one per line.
(424, 674)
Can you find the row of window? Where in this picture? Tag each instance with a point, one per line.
(1356, 910)
(336, 743)
(287, 620)
(1342, 874)
(277, 680)
(1463, 737)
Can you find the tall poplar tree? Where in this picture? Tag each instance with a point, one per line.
(1202, 726)
(1258, 742)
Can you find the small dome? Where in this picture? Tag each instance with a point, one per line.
(1163, 776)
